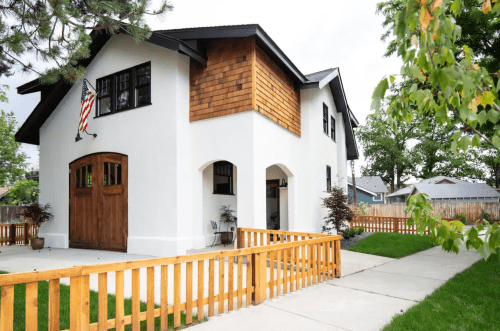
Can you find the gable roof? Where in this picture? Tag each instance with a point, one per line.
(404, 191)
(441, 180)
(192, 42)
(371, 183)
(364, 190)
(458, 190)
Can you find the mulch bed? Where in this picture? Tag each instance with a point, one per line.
(346, 243)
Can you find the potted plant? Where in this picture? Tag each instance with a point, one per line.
(37, 214)
(226, 217)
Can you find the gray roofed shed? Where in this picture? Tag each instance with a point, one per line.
(371, 183)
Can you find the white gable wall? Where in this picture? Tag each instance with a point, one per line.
(147, 135)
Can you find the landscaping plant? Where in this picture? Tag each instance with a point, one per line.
(360, 230)
(486, 217)
(37, 214)
(462, 217)
(339, 214)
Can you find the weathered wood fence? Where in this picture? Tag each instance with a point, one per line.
(10, 214)
(386, 224)
(446, 209)
(302, 259)
(20, 233)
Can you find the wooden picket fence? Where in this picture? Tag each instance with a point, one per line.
(446, 209)
(295, 262)
(20, 233)
(386, 224)
(9, 214)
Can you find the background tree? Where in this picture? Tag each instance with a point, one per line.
(454, 87)
(386, 149)
(491, 160)
(58, 31)
(23, 192)
(12, 160)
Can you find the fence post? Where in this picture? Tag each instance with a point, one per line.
(259, 277)
(26, 234)
(238, 238)
(12, 234)
(395, 224)
(337, 258)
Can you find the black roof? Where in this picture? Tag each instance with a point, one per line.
(189, 41)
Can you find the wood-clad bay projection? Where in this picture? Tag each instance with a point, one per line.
(224, 86)
(239, 76)
(98, 202)
(276, 96)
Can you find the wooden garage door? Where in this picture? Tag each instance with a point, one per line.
(98, 202)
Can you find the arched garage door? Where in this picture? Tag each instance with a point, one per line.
(98, 202)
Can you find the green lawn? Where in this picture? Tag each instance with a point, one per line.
(43, 287)
(393, 245)
(468, 301)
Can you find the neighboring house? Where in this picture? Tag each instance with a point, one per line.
(3, 194)
(186, 122)
(370, 189)
(447, 189)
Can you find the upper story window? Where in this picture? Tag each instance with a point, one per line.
(325, 119)
(379, 197)
(332, 129)
(223, 177)
(328, 178)
(124, 90)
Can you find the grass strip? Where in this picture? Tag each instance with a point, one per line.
(468, 301)
(43, 305)
(393, 245)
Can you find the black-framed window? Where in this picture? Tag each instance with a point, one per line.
(124, 90)
(223, 177)
(325, 119)
(332, 128)
(328, 178)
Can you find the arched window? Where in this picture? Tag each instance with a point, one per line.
(223, 177)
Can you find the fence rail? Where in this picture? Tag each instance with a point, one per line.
(293, 265)
(20, 233)
(386, 224)
(446, 209)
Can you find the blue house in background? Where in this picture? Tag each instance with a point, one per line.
(370, 189)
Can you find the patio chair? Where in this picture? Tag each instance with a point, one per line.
(217, 231)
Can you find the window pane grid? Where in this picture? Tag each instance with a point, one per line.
(325, 119)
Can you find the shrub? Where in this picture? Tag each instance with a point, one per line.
(360, 230)
(462, 217)
(486, 216)
(346, 234)
(37, 213)
(339, 214)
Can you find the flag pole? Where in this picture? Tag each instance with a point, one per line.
(78, 137)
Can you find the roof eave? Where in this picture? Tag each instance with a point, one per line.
(363, 189)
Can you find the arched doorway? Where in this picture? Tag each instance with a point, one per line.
(98, 202)
(277, 178)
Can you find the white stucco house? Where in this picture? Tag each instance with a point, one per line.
(186, 122)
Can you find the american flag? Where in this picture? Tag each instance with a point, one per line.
(88, 99)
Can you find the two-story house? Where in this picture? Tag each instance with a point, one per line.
(186, 122)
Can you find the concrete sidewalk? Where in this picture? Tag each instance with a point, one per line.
(370, 292)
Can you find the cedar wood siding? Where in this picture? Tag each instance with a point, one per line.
(276, 96)
(238, 77)
(224, 86)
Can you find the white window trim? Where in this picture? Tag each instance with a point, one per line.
(381, 199)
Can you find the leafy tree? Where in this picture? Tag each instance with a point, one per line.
(433, 157)
(23, 192)
(491, 159)
(12, 160)
(57, 31)
(386, 149)
(454, 87)
(339, 214)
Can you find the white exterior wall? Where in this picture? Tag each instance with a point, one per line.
(170, 200)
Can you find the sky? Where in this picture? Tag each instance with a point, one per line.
(315, 35)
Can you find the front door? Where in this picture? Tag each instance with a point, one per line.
(98, 202)
(273, 204)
